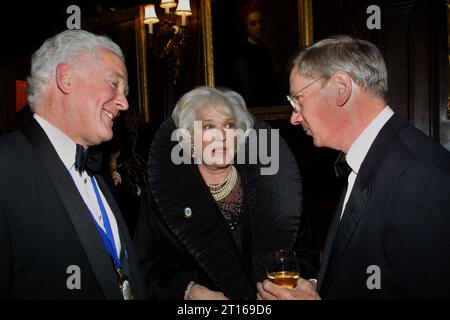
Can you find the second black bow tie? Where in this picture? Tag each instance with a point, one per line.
(341, 167)
(89, 160)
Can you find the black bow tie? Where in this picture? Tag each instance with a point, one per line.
(341, 167)
(89, 160)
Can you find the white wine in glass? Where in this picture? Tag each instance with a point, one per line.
(283, 269)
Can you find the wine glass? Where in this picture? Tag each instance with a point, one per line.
(283, 269)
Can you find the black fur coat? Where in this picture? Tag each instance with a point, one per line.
(175, 249)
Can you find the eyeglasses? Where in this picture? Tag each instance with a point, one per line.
(293, 100)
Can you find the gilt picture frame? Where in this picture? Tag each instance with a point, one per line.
(304, 37)
(126, 28)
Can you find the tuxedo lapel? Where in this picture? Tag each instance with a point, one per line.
(344, 230)
(76, 209)
(330, 240)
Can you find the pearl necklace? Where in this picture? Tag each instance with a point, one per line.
(220, 190)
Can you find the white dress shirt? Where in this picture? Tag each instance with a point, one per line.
(66, 150)
(361, 146)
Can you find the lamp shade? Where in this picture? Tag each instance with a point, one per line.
(184, 8)
(168, 4)
(150, 16)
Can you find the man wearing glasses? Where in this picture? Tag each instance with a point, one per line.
(389, 237)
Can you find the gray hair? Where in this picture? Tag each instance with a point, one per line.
(199, 100)
(359, 58)
(64, 47)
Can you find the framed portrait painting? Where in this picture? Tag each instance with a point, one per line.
(247, 46)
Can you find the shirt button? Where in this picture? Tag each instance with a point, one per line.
(187, 213)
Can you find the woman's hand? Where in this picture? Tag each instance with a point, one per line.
(199, 292)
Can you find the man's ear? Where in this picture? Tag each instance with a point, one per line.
(344, 86)
(64, 77)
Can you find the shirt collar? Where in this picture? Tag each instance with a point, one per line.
(64, 146)
(358, 150)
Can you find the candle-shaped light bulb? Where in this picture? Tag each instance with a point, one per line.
(150, 16)
(183, 10)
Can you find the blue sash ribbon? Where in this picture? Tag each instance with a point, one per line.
(107, 237)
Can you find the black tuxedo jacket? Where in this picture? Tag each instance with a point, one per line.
(45, 227)
(393, 241)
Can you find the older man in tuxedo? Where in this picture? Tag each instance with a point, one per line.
(389, 237)
(61, 233)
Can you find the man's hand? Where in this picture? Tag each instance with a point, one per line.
(305, 290)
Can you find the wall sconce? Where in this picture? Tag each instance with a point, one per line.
(170, 39)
